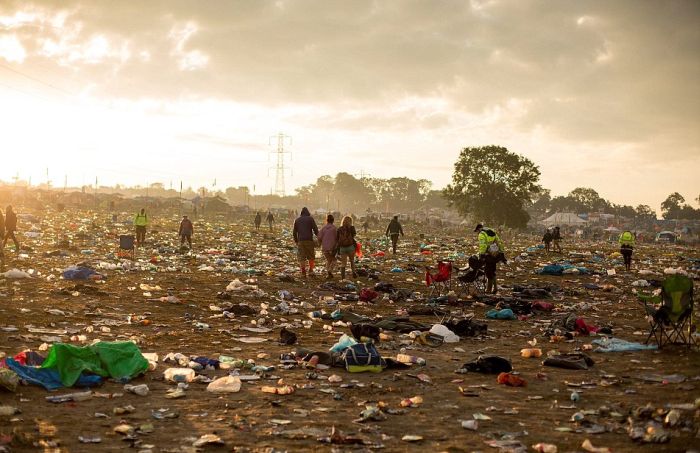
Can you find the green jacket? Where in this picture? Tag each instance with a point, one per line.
(141, 219)
(626, 238)
(487, 236)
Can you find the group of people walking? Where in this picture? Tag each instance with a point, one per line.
(269, 218)
(337, 243)
(552, 236)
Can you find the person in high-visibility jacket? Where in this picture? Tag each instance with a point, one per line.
(490, 253)
(626, 241)
(141, 222)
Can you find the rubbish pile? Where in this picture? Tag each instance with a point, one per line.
(227, 344)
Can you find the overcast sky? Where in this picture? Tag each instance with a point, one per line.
(602, 94)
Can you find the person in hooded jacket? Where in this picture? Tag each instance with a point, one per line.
(303, 232)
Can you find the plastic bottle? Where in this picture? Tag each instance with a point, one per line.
(406, 358)
(179, 374)
(531, 352)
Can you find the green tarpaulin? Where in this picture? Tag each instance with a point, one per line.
(118, 360)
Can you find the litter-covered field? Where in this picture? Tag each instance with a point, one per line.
(184, 351)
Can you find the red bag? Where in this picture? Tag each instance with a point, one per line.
(368, 295)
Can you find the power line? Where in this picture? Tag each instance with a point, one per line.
(37, 80)
(9, 87)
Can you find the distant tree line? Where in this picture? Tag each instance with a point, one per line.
(494, 185)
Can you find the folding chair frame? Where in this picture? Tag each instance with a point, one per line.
(132, 250)
(442, 287)
(665, 331)
(479, 285)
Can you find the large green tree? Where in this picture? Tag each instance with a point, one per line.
(671, 206)
(644, 212)
(493, 185)
(588, 200)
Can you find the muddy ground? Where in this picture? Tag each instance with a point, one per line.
(255, 421)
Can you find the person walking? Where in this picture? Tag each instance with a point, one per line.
(141, 222)
(10, 227)
(547, 239)
(185, 232)
(490, 254)
(327, 238)
(304, 230)
(556, 238)
(270, 219)
(626, 241)
(345, 238)
(258, 220)
(393, 230)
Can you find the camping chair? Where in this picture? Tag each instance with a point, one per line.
(474, 277)
(127, 246)
(440, 282)
(672, 321)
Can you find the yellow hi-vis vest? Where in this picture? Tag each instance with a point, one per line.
(485, 240)
(626, 238)
(141, 219)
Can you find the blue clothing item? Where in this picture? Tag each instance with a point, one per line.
(558, 269)
(48, 378)
(551, 269)
(506, 313)
(207, 362)
(304, 227)
(618, 345)
(78, 273)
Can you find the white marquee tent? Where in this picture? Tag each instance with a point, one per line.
(563, 219)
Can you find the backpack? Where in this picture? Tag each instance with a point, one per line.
(363, 357)
(493, 249)
(345, 237)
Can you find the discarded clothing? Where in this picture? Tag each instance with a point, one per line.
(490, 364)
(30, 358)
(542, 306)
(572, 361)
(467, 327)
(78, 273)
(618, 345)
(401, 325)
(506, 313)
(368, 295)
(561, 269)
